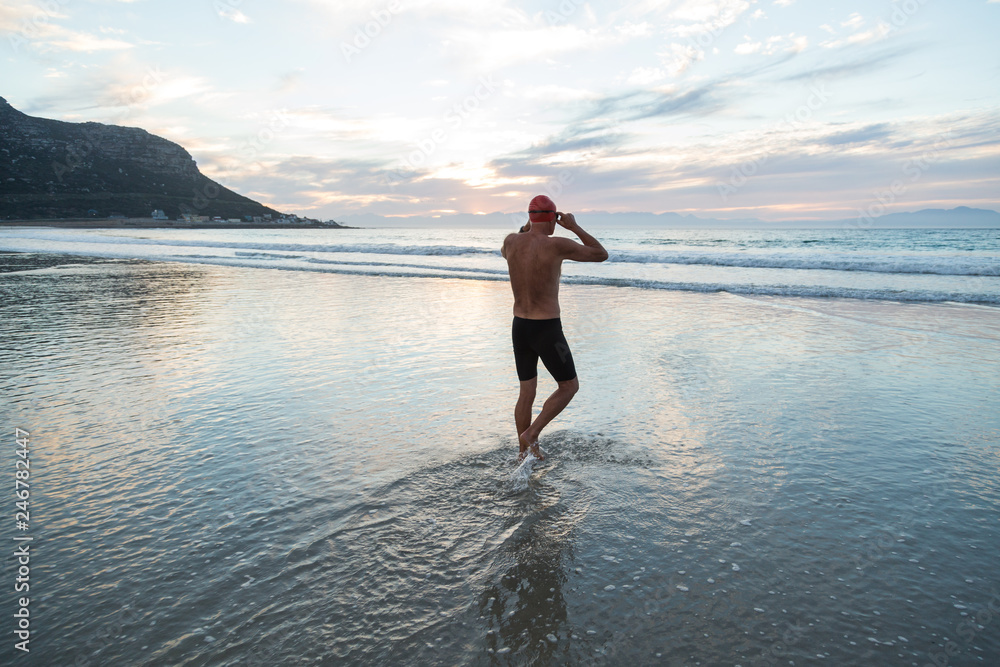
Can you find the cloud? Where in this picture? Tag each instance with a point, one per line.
(677, 58)
(78, 41)
(554, 92)
(701, 100)
(798, 44)
(862, 65)
(618, 94)
(119, 92)
(231, 13)
(166, 89)
(802, 176)
(579, 137)
(599, 137)
(641, 104)
(439, 17)
(855, 22)
(309, 182)
(698, 16)
(644, 76)
(748, 47)
(706, 98)
(699, 24)
(289, 81)
(774, 44)
(862, 135)
(36, 26)
(26, 18)
(493, 50)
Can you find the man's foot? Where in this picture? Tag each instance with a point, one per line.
(534, 451)
(529, 446)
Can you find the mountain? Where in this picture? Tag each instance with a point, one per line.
(961, 216)
(54, 169)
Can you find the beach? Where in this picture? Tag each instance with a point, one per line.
(287, 449)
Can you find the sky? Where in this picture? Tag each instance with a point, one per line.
(771, 109)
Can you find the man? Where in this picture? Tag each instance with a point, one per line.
(534, 261)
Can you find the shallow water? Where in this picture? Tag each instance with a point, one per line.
(240, 466)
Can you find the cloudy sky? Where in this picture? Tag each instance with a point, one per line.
(774, 109)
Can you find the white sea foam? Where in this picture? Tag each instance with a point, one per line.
(909, 263)
(958, 271)
(69, 238)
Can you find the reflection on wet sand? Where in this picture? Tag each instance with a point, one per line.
(524, 606)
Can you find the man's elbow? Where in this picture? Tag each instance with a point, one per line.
(601, 256)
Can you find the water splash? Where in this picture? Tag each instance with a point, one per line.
(519, 478)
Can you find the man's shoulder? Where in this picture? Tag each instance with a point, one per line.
(563, 243)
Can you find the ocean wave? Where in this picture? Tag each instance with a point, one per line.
(937, 265)
(390, 270)
(378, 259)
(263, 246)
(921, 263)
(396, 270)
(470, 269)
(822, 291)
(265, 255)
(930, 296)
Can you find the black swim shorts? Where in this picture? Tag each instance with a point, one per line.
(545, 339)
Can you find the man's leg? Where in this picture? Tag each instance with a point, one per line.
(554, 404)
(522, 411)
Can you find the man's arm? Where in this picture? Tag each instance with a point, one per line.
(590, 251)
(503, 248)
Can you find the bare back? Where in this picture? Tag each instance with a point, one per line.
(534, 262)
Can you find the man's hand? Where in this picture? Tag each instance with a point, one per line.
(590, 251)
(566, 220)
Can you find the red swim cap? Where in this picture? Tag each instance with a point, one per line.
(541, 209)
